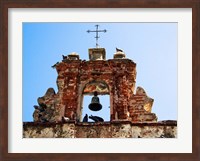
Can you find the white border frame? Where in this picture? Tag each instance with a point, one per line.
(182, 144)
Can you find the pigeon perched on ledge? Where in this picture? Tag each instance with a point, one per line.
(64, 57)
(96, 118)
(65, 119)
(41, 109)
(85, 119)
(119, 50)
(53, 66)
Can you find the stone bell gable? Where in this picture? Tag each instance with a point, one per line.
(114, 77)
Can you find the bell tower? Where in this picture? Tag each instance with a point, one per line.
(77, 77)
(97, 76)
(61, 114)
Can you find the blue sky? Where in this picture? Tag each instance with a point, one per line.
(152, 46)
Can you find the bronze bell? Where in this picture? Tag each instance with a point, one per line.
(95, 104)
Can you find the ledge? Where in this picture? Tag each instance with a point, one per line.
(49, 124)
(113, 129)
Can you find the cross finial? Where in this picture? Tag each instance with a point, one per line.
(97, 35)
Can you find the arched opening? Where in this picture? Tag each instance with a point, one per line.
(102, 90)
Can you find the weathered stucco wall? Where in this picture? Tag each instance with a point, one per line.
(165, 129)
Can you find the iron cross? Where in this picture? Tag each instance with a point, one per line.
(97, 36)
